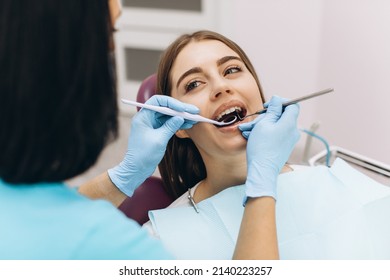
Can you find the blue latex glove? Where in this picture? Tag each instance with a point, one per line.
(149, 136)
(272, 137)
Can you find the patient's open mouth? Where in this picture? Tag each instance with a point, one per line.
(234, 113)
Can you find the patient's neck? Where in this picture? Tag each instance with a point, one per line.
(223, 172)
(222, 175)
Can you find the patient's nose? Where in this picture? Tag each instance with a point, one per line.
(220, 87)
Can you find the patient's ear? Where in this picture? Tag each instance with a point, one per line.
(182, 134)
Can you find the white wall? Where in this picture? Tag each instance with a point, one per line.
(306, 45)
(355, 58)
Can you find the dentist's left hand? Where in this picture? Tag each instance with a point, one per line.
(149, 136)
(271, 139)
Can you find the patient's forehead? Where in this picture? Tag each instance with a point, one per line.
(199, 54)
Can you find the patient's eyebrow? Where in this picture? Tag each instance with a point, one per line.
(189, 72)
(227, 58)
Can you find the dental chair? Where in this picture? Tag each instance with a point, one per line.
(151, 194)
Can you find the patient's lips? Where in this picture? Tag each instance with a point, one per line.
(227, 112)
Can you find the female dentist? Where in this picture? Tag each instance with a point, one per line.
(58, 110)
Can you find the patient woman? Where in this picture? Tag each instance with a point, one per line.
(212, 72)
(205, 167)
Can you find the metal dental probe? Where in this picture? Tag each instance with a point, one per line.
(294, 101)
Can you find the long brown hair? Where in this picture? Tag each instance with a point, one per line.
(182, 165)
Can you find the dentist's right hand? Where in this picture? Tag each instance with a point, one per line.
(149, 136)
(271, 139)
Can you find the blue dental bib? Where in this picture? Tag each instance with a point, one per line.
(321, 213)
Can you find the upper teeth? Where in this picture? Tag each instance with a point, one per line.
(228, 111)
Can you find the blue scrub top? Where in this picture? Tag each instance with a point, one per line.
(53, 221)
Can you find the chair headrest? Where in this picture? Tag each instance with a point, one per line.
(147, 89)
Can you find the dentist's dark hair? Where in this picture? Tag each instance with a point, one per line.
(182, 165)
(58, 105)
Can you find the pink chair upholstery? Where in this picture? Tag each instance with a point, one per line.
(147, 89)
(151, 194)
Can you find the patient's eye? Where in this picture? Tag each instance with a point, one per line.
(191, 85)
(232, 70)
